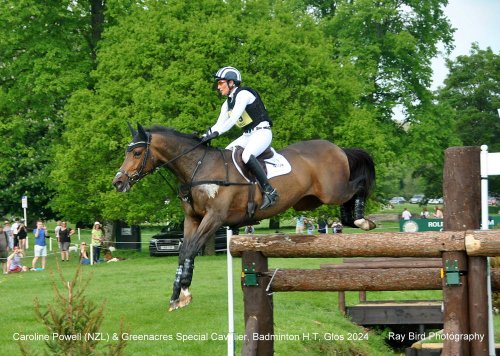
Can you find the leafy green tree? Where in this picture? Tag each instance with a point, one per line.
(391, 43)
(45, 57)
(471, 90)
(472, 93)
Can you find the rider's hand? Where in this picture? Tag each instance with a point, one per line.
(209, 136)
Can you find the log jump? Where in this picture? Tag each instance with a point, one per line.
(462, 249)
(386, 244)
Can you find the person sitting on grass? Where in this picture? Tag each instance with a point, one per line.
(84, 259)
(14, 264)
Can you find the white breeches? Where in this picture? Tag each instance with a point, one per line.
(254, 142)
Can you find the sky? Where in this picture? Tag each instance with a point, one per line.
(475, 21)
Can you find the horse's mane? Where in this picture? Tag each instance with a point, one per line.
(169, 131)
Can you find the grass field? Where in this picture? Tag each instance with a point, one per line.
(137, 291)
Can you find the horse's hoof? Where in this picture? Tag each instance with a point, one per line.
(185, 298)
(185, 301)
(365, 224)
(173, 305)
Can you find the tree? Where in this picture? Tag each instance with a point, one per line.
(391, 44)
(45, 57)
(471, 90)
(472, 93)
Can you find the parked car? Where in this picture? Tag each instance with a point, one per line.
(417, 198)
(436, 201)
(397, 200)
(169, 241)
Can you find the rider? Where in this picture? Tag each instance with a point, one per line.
(245, 109)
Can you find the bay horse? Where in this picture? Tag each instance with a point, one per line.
(214, 193)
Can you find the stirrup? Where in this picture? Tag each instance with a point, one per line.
(269, 198)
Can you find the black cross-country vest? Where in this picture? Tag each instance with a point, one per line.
(254, 113)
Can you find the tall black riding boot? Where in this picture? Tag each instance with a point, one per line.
(269, 195)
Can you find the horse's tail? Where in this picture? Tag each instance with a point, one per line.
(362, 170)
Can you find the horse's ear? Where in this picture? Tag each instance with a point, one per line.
(132, 130)
(142, 133)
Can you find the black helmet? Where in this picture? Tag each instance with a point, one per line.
(228, 73)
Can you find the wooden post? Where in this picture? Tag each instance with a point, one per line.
(465, 308)
(258, 305)
(342, 301)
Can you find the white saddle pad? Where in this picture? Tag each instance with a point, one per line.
(276, 166)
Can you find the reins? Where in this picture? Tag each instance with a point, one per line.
(192, 183)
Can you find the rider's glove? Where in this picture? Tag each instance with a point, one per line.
(209, 136)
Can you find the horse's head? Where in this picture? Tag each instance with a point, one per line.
(139, 161)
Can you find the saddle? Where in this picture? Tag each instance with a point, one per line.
(238, 161)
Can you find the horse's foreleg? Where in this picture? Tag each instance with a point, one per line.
(195, 236)
(183, 277)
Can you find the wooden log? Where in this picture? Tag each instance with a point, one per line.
(257, 302)
(386, 244)
(414, 263)
(250, 346)
(307, 280)
(286, 280)
(362, 296)
(389, 259)
(459, 178)
(478, 303)
(486, 243)
(342, 302)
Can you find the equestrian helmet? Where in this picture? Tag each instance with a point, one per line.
(228, 73)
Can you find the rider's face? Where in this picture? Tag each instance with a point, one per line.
(223, 87)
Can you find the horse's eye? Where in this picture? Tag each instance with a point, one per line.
(137, 154)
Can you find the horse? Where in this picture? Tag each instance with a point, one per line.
(215, 194)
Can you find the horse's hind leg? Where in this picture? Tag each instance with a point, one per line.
(359, 215)
(352, 213)
(347, 213)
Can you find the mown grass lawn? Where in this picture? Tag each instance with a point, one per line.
(137, 290)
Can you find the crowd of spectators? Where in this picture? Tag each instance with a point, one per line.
(13, 238)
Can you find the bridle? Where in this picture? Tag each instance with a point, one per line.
(139, 174)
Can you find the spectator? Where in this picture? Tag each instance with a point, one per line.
(309, 226)
(65, 239)
(14, 264)
(97, 239)
(22, 233)
(249, 229)
(406, 215)
(14, 229)
(4, 249)
(40, 245)
(424, 214)
(7, 229)
(84, 259)
(299, 226)
(322, 226)
(56, 232)
(439, 213)
(337, 227)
